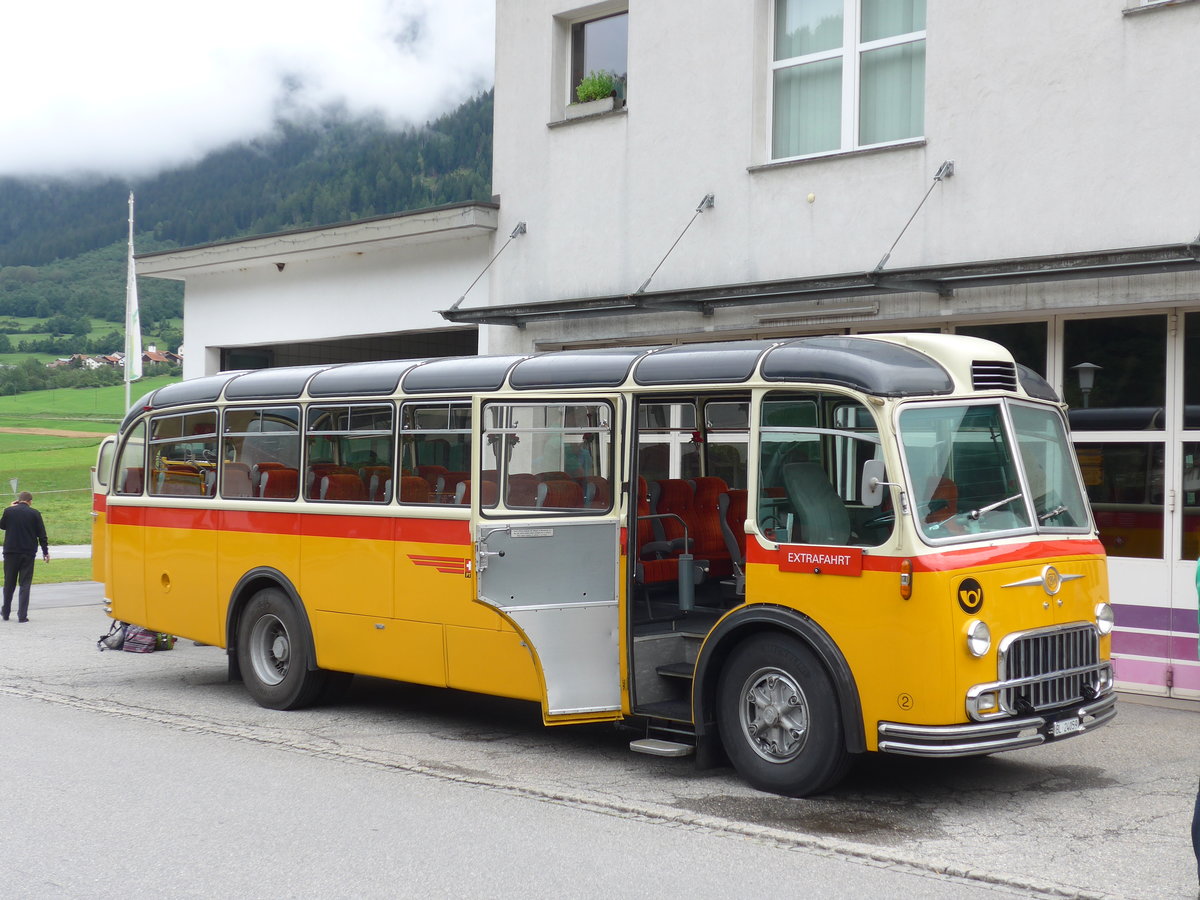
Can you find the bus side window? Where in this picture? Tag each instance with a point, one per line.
(131, 466)
(256, 440)
(549, 457)
(349, 453)
(812, 449)
(435, 453)
(183, 451)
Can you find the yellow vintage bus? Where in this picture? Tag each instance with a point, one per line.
(779, 553)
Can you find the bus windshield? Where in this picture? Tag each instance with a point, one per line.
(983, 468)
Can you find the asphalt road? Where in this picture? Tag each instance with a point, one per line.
(410, 791)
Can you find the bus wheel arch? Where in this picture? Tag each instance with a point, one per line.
(757, 623)
(270, 644)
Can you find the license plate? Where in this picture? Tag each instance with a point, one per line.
(1066, 726)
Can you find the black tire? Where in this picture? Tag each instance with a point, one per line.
(274, 653)
(779, 719)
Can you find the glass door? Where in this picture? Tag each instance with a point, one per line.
(547, 534)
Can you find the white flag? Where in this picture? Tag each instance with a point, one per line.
(133, 323)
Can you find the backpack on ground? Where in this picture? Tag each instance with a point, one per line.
(139, 640)
(115, 639)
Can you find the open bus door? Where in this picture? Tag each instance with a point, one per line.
(546, 530)
(101, 474)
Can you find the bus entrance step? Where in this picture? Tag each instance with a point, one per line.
(677, 670)
(656, 747)
(671, 710)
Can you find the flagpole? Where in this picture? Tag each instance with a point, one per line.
(133, 323)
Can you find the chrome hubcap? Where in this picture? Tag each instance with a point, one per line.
(774, 715)
(270, 650)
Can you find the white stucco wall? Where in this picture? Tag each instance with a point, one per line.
(342, 282)
(1070, 125)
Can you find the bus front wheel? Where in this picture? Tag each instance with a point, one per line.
(778, 717)
(274, 653)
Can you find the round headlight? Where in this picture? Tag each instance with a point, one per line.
(979, 638)
(1105, 619)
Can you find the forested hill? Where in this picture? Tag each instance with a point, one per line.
(335, 170)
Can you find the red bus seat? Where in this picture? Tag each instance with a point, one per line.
(317, 471)
(559, 494)
(414, 489)
(596, 491)
(490, 491)
(375, 480)
(708, 521)
(652, 565)
(258, 470)
(342, 486)
(280, 484)
(522, 491)
(434, 475)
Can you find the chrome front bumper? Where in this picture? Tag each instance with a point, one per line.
(979, 738)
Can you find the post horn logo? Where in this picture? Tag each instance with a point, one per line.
(970, 596)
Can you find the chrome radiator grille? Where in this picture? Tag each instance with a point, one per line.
(1050, 667)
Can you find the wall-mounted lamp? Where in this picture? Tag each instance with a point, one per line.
(1086, 372)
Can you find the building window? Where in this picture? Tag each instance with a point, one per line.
(846, 74)
(600, 45)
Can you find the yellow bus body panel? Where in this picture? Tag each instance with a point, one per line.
(125, 574)
(99, 541)
(347, 575)
(384, 648)
(492, 662)
(181, 583)
(909, 658)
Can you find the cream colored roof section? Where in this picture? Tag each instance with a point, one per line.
(460, 220)
(957, 353)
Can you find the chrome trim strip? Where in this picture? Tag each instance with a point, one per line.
(978, 749)
(989, 737)
(978, 689)
(943, 732)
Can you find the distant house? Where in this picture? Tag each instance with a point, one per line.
(86, 362)
(153, 355)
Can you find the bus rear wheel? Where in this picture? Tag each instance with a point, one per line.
(779, 719)
(274, 653)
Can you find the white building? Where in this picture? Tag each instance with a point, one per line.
(1024, 171)
(360, 291)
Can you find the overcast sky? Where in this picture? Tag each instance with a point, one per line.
(130, 86)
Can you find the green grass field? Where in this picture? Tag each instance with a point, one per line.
(55, 468)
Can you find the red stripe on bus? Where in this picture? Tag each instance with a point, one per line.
(964, 558)
(312, 524)
(446, 564)
(970, 557)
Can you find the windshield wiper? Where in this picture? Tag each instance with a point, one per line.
(976, 513)
(1054, 513)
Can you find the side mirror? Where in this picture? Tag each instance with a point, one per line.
(873, 482)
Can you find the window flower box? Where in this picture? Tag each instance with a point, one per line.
(591, 107)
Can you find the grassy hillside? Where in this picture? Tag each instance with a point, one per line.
(55, 466)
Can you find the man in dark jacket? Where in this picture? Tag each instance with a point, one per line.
(23, 532)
